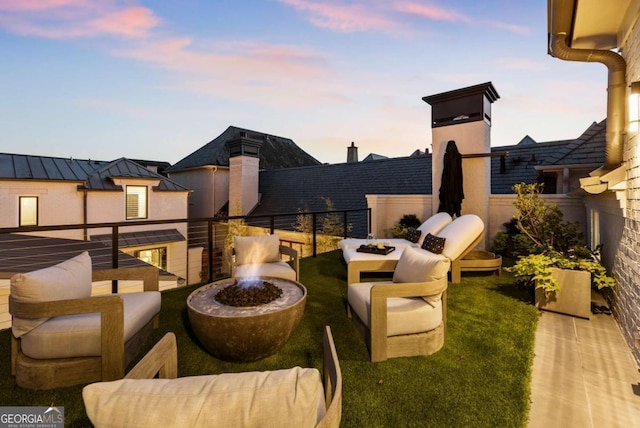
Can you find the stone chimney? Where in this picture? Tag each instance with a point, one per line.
(464, 115)
(352, 153)
(244, 163)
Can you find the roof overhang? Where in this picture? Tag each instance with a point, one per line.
(594, 24)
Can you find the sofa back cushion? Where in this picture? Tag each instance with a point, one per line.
(256, 249)
(70, 279)
(418, 265)
(292, 397)
(433, 225)
(460, 234)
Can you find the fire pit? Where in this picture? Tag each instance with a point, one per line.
(232, 331)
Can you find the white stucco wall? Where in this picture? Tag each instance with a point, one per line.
(470, 138)
(210, 187)
(243, 184)
(58, 203)
(387, 210)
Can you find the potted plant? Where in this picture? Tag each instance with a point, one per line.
(561, 269)
(407, 222)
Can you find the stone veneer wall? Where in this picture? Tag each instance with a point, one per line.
(627, 257)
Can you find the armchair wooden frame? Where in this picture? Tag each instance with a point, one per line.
(380, 345)
(292, 253)
(116, 354)
(162, 360)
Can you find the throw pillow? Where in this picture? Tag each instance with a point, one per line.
(291, 397)
(256, 249)
(433, 243)
(70, 279)
(413, 235)
(416, 265)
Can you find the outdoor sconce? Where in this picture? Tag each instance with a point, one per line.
(634, 107)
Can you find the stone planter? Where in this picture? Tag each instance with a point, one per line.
(574, 296)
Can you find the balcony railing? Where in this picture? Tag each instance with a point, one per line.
(307, 232)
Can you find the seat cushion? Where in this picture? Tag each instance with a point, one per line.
(281, 398)
(433, 225)
(79, 335)
(405, 315)
(70, 279)
(278, 270)
(256, 249)
(418, 265)
(460, 234)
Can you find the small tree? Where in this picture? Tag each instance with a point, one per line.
(331, 228)
(541, 222)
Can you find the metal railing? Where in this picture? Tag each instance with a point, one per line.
(304, 231)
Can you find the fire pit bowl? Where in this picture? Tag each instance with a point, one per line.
(245, 333)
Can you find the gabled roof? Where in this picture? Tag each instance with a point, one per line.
(90, 174)
(276, 152)
(588, 148)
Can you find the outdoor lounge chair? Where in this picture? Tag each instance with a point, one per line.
(295, 397)
(433, 225)
(254, 256)
(461, 236)
(63, 336)
(407, 316)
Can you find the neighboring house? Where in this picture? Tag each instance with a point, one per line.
(207, 170)
(48, 191)
(558, 164)
(345, 184)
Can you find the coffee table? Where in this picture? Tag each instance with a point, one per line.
(358, 262)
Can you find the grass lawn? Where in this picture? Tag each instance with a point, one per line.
(480, 378)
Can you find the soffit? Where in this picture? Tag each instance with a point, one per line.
(599, 24)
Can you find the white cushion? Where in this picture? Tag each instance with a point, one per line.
(70, 279)
(278, 270)
(405, 315)
(282, 398)
(355, 243)
(79, 335)
(418, 265)
(460, 234)
(256, 249)
(433, 225)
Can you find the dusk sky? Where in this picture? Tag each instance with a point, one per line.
(104, 79)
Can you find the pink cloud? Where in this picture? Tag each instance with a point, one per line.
(344, 18)
(513, 28)
(59, 19)
(430, 12)
(38, 5)
(134, 22)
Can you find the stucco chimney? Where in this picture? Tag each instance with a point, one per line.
(464, 115)
(352, 153)
(244, 163)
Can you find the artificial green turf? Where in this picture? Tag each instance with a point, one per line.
(480, 378)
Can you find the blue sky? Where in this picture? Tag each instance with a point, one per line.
(104, 79)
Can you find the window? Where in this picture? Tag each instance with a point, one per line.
(136, 202)
(28, 211)
(154, 256)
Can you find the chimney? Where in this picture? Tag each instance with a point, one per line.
(464, 115)
(244, 162)
(352, 153)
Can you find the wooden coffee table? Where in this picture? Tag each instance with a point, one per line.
(358, 262)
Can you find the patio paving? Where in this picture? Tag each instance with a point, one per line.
(583, 374)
